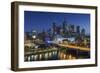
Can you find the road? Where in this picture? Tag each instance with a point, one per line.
(75, 47)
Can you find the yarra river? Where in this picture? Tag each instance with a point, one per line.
(55, 54)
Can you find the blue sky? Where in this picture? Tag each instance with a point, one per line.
(43, 20)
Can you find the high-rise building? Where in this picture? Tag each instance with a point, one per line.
(64, 27)
(72, 27)
(54, 28)
(58, 29)
(78, 29)
(83, 32)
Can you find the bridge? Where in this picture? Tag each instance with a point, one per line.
(39, 54)
(75, 47)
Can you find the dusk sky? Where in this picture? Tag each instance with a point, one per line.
(43, 20)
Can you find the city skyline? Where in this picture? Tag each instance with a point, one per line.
(43, 20)
(56, 36)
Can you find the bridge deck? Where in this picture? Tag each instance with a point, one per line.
(75, 47)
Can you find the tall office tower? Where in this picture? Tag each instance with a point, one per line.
(78, 29)
(83, 32)
(43, 34)
(58, 29)
(72, 27)
(54, 28)
(64, 27)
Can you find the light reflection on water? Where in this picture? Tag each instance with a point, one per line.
(57, 55)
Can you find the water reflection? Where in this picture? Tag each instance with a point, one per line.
(58, 55)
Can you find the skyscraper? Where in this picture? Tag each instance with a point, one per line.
(54, 28)
(72, 28)
(78, 29)
(83, 33)
(64, 27)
